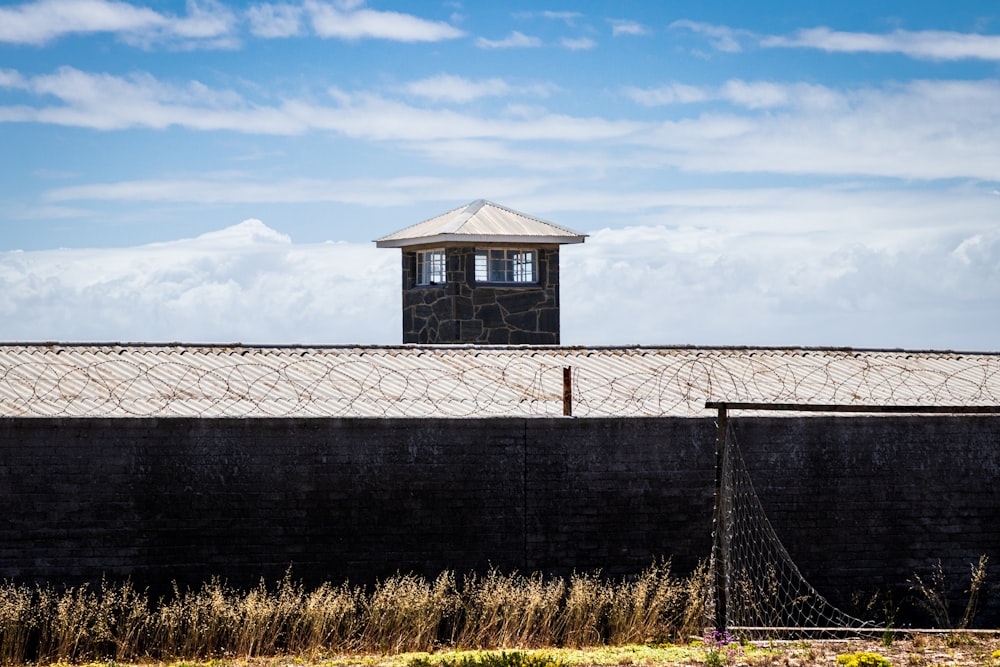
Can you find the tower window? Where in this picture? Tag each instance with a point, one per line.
(506, 265)
(431, 267)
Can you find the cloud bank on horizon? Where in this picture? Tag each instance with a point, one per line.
(780, 175)
(251, 284)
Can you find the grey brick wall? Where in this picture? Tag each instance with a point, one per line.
(860, 503)
(358, 499)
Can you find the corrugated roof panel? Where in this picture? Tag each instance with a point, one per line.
(466, 381)
(479, 221)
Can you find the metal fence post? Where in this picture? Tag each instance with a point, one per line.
(567, 391)
(720, 541)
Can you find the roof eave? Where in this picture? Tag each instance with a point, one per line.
(477, 238)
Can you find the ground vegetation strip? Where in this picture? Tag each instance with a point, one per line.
(404, 613)
(906, 651)
(499, 619)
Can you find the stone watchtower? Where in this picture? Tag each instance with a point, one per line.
(481, 273)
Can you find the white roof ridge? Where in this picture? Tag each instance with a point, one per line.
(484, 221)
(467, 214)
(417, 224)
(532, 217)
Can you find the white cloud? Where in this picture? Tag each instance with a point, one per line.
(578, 44)
(934, 45)
(109, 102)
(747, 94)
(723, 38)
(756, 267)
(205, 19)
(876, 269)
(208, 189)
(275, 20)
(451, 88)
(246, 283)
(352, 21)
(211, 24)
(45, 20)
(672, 93)
(215, 189)
(908, 132)
(621, 27)
(923, 44)
(207, 23)
(567, 17)
(769, 94)
(515, 40)
(920, 129)
(758, 95)
(12, 79)
(446, 87)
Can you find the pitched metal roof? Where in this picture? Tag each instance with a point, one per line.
(117, 380)
(480, 222)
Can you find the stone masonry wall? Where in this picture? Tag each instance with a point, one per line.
(860, 503)
(464, 311)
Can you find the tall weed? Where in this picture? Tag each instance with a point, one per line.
(19, 618)
(329, 618)
(501, 611)
(933, 595)
(649, 608)
(586, 605)
(405, 612)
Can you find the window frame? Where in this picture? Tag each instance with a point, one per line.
(506, 266)
(431, 264)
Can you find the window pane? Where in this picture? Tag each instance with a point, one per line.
(482, 273)
(505, 265)
(431, 267)
(437, 267)
(497, 265)
(524, 266)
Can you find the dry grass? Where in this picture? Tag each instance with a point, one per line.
(933, 597)
(402, 614)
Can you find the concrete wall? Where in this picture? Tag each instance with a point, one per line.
(860, 503)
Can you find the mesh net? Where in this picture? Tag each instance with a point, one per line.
(763, 593)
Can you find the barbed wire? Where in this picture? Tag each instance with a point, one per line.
(431, 381)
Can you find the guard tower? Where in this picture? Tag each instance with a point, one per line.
(481, 273)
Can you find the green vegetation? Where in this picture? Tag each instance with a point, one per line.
(405, 613)
(862, 659)
(721, 649)
(502, 659)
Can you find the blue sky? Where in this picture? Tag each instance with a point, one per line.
(767, 173)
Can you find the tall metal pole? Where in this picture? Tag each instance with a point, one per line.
(720, 541)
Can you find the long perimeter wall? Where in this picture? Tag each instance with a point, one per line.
(859, 502)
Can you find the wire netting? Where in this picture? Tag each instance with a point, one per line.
(766, 594)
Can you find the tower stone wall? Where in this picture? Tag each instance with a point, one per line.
(465, 311)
